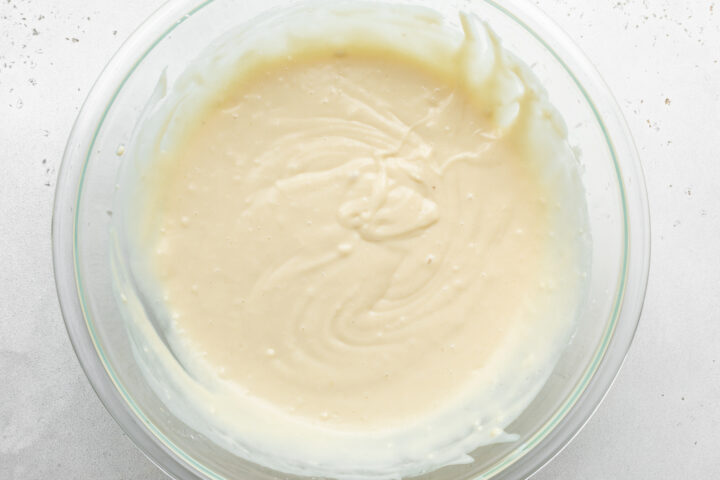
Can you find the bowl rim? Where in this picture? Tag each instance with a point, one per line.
(545, 443)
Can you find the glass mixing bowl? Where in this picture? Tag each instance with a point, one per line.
(176, 34)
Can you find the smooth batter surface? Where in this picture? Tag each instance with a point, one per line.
(341, 238)
(362, 245)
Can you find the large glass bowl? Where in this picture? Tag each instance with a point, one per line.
(176, 34)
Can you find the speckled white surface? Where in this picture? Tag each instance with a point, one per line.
(661, 420)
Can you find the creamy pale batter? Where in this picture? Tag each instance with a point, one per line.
(367, 259)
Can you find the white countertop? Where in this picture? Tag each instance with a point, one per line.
(661, 420)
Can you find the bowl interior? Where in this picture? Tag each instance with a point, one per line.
(176, 35)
